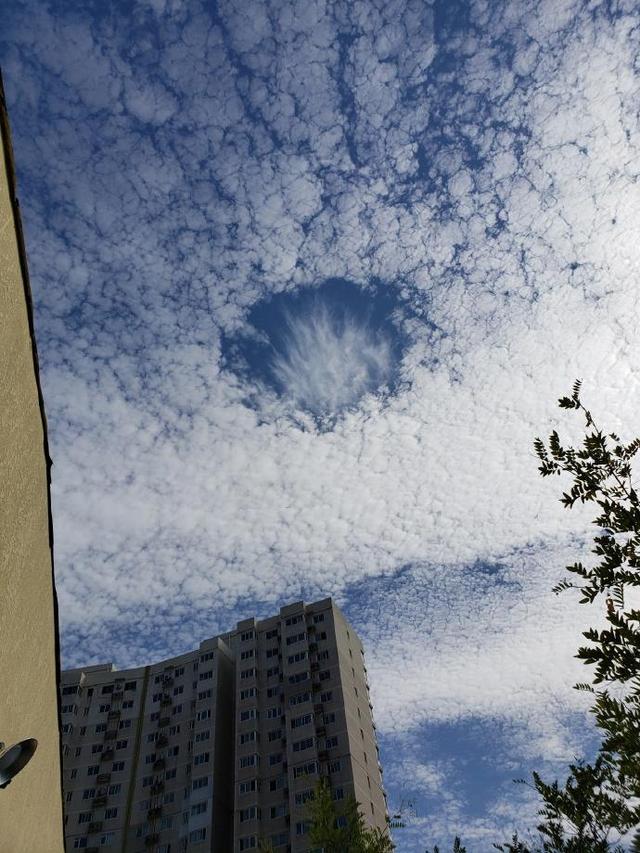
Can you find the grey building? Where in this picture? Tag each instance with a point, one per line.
(222, 747)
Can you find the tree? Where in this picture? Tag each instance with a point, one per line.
(604, 797)
(343, 831)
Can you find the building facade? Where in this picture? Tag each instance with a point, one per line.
(221, 748)
(31, 806)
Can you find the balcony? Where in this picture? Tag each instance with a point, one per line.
(106, 755)
(318, 709)
(157, 788)
(99, 801)
(163, 722)
(95, 826)
(114, 715)
(152, 839)
(165, 701)
(167, 681)
(161, 741)
(103, 778)
(111, 734)
(117, 696)
(154, 813)
(159, 764)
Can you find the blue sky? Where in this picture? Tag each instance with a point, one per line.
(309, 278)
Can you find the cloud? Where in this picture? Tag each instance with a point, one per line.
(179, 167)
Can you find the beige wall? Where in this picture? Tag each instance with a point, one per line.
(30, 807)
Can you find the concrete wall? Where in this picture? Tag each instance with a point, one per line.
(31, 806)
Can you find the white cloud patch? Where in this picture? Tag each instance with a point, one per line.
(329, 360)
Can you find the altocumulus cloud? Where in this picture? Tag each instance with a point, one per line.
(178, 167)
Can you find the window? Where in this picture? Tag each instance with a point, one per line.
(69, 691)
(178, 690)
(275, 758)
(124, 724)
(128, 703)
(88, 793)
(106, 840)
(296, 638)
(246, 654)
(101, 727)
(327, 696)
(248, 786)
(198, 834)
(84, 817)
(248, 693)
(204, 715)
(276, 784)
(80, 843)
(117, 766)
(298, 677)
(122, 744)
(199, 808)
(109, 814)
(330, 718)
(300, 698)
(324, 675)
(305, 743)
(200, 736)
(297, 657)
(274, 734)
(115, 789)
(273, 691)
(206, 656)
(303, 796)
(303, 720)
(103, 709)
(279, 839)
(249, 761)
(293, 620)
(249, 714)
(341, 821)
(338, 794)
(205, 676)
(74, 773)
(272, 671)
(96, 747)
(323, 655)
(68, 709)
(248, 673)
(305, 769)
(318, 617)
(272, 713)
(271, 634)
(201, 782)
(93, 770)
(246, 635)
(170, 774)
(331, 742)
(205, 694)
(248, 842)
(247, 737)
(250, 813)
(335, 766)
(166, 822)
(272, 652)
(67, 728)
(202, 758)
(278, 811)
(108, 688)
(130, 685)
(68, 796)
(302, 827)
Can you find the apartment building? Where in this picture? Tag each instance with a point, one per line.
(148, 754)
(221, 748)
(302, 712)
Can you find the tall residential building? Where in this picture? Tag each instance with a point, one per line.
(220, 748)
(31, 807)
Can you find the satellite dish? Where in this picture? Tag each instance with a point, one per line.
(12, 760)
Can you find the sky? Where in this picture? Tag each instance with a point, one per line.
(309, 278)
